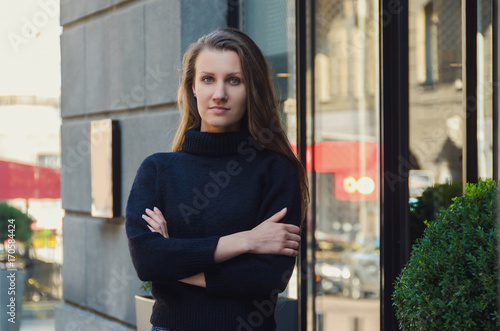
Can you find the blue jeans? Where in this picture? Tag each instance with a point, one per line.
(157, 328)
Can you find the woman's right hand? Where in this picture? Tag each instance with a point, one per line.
(156, 221)
(271, 237)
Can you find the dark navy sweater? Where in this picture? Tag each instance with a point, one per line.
(219, 184)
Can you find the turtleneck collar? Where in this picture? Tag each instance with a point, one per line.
(213, 144)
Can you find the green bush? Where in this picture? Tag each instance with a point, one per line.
(22, 224)
(451, 281)
(146, 288)
(427, 206)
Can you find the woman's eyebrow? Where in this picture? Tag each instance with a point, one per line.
(229, 74)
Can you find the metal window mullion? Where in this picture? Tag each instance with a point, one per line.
(469, 73)
(394, 151)
(302, 274)
(312, 134)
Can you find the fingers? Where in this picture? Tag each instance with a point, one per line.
(292, 228)
(290, 243)
(290, 240)
(153, 219)
(152, 223)
(156, 221)
(290, 252)
(293, 237)
(158, 211)
(293, 245)
(289, 248)
(278, 216)
(284, 243)
(157, 217)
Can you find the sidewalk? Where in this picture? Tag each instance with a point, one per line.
(38, 316)
(36, 324)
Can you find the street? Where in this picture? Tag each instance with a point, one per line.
(345, 314)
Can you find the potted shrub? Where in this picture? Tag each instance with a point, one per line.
(452, 281)
(427, 206)
(144, 307)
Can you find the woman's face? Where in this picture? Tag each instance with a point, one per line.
(220, 91)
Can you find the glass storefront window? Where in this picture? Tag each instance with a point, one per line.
(345, 152)
(436, 113)
(343, 158)
(435, 83)
(346, 115)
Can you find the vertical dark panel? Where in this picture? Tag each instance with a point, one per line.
(117, 168)
(311, 28)
(301, 29)
(233, 13)
(394, 151)
(496, 142)
(469, 72)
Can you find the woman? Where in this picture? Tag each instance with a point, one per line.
(215, 224)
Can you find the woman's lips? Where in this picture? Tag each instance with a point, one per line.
(219, 110)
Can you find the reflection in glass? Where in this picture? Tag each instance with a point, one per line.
(485, 89)
(346, 165)
(437, 117)
(435, 80)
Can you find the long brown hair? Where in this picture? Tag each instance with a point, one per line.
(261, 118)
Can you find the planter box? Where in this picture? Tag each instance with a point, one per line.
(286, 314)
(143, 310)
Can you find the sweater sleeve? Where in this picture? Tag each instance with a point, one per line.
(262, 274)
(154, 257)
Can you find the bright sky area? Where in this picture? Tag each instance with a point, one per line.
(29, 48)
(30, 64)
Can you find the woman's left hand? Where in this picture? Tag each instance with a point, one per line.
(156, 221)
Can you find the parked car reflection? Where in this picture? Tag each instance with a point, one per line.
(364, 266)
(331, 273)
(331, 277)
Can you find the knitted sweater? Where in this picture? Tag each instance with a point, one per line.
(219, 184)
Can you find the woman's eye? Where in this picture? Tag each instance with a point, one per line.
(234, 81)
(207, 79)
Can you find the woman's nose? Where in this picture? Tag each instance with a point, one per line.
(220, 92)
